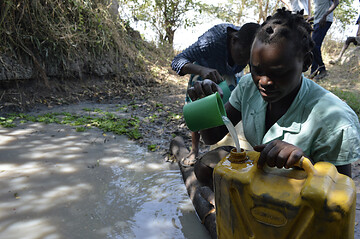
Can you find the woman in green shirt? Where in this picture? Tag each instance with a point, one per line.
(285, 115)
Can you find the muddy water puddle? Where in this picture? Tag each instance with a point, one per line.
(59, 183)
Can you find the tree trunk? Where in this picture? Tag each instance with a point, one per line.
(170, 36)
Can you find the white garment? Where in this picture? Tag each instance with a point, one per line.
(298, 5)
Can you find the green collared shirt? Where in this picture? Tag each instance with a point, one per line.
(318, 122)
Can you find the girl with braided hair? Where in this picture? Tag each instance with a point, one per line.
(285, 115)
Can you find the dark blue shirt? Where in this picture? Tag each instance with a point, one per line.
(210, 51)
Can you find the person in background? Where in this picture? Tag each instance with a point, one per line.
(285, 115)
(219, 54)
(355, 40)
(298, 5)
(323, 18)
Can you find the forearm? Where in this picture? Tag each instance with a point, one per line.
(334, 4)
(191, 68)
(204, 72)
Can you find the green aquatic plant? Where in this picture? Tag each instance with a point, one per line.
(173, 116)
(81, 129)
(152, 147)
(152, 118)
(159, 105)
(7, 122)
(123, 108)
(108, 122)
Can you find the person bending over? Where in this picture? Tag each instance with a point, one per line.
(219, 54)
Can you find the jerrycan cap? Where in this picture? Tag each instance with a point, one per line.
(237, 157)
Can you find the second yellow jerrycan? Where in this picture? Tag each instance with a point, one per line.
(313, 201)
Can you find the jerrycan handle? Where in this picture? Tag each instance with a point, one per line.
(306, 164)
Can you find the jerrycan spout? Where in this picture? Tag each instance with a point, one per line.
(237, 157)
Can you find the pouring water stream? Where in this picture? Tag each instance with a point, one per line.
(232, 132)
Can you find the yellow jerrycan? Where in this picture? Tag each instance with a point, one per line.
(312, 201)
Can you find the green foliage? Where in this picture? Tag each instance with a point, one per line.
(48, 118)
(173, 116)
(159, 105)
(123, 108)
(351, 98)
(7, 122)
(108, 122)
(152, 147)
(66, 28)
(239, 12)
(163, 16)
(152, 117)
(345, 13)
(81, 129)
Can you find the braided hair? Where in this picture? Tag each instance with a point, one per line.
(292, 26)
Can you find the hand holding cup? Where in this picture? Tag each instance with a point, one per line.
(204, 88)
(207, 109)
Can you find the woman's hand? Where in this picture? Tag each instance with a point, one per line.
(204, 72)
(203, 88)
(278, 153)
(212, 74)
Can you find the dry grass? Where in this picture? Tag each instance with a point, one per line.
(54, 27)
(343, 78)
(62, 32)
(68, 29)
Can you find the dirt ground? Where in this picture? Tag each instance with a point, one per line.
(163, 98)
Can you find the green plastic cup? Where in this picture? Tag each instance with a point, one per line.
(226, 91)
(204, 113)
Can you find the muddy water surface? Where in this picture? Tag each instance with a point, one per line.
(59, 183)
